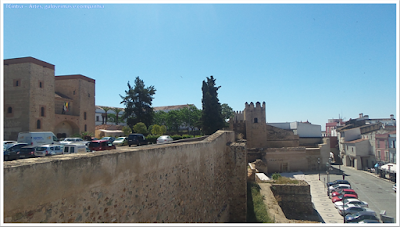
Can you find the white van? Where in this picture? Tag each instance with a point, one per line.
(74, 148)
(37, 138)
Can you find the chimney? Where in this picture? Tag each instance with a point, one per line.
(392, 116)
(360, 115)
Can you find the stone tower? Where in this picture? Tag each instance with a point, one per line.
(256, 125)
(28, 96)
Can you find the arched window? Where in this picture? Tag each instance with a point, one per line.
(17, 83)
(42, 111)
(38, 124)
(85, 128)
(9, 109)
(84, 116)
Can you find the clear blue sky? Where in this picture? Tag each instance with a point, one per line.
(306, 61)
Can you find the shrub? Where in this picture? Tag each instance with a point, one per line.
(152, 138)
(176, 137)
(276, 176)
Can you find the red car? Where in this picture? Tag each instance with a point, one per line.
(340, 197)
(344, 191)
(101, 145)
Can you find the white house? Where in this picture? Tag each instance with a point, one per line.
(302, 129)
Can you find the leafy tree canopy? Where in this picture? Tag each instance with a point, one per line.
(140, 128)
(138, 101)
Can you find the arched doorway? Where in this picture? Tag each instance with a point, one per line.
(66, 129)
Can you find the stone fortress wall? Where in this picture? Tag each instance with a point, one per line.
(203, 181)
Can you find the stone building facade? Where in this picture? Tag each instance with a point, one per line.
(37, 100)
(282, 150)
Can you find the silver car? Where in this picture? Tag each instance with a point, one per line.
(47, 150)
(351, 201)
(352, 209)
(164, 139)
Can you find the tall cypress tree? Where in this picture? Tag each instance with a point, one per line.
(138, 103)
(212, 119)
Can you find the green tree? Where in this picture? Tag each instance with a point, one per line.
(117, 111)
(105, 115)
(160, 118)
(227, 112)
(191, 117)
(211, 119)
(163, 129)
(127, 130)
(174, 120)
(137, 101)
(157, 130)
(140, 128)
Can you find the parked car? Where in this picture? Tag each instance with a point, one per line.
(8, 143)
(27, 152)
(338, 187)
(120, 141)
(394, 187)
(351, 201)
(111, 139)
(343, 191)
(368, 221)
(75, 148)
(12, 150)
(336, 182)
(136, 139)
(164, 139)
(71, 140)
(341, 197)
(360, 216)
(48, 149)
(352, 209)
(101, 145)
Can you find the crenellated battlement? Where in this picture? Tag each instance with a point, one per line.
(257, 107)
(238, 116)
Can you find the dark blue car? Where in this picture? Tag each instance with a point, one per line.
(11, 152)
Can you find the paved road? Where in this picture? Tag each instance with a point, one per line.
(377, 192)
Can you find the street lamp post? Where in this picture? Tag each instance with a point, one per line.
(319, 170)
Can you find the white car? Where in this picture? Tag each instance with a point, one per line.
(352, 209)
(69, 140)
(164, 139)
(120, 141)
(337, 187)
(47, 150)
(351, 201)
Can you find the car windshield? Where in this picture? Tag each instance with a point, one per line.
(120, 138)
(27, 149)
(94, 144)
(105, 138)
(41, 148)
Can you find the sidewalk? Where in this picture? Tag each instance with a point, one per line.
(322, 203)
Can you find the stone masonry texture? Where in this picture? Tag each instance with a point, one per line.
(188, 182)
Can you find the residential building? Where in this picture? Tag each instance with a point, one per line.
(375, 131)
(332, 125)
